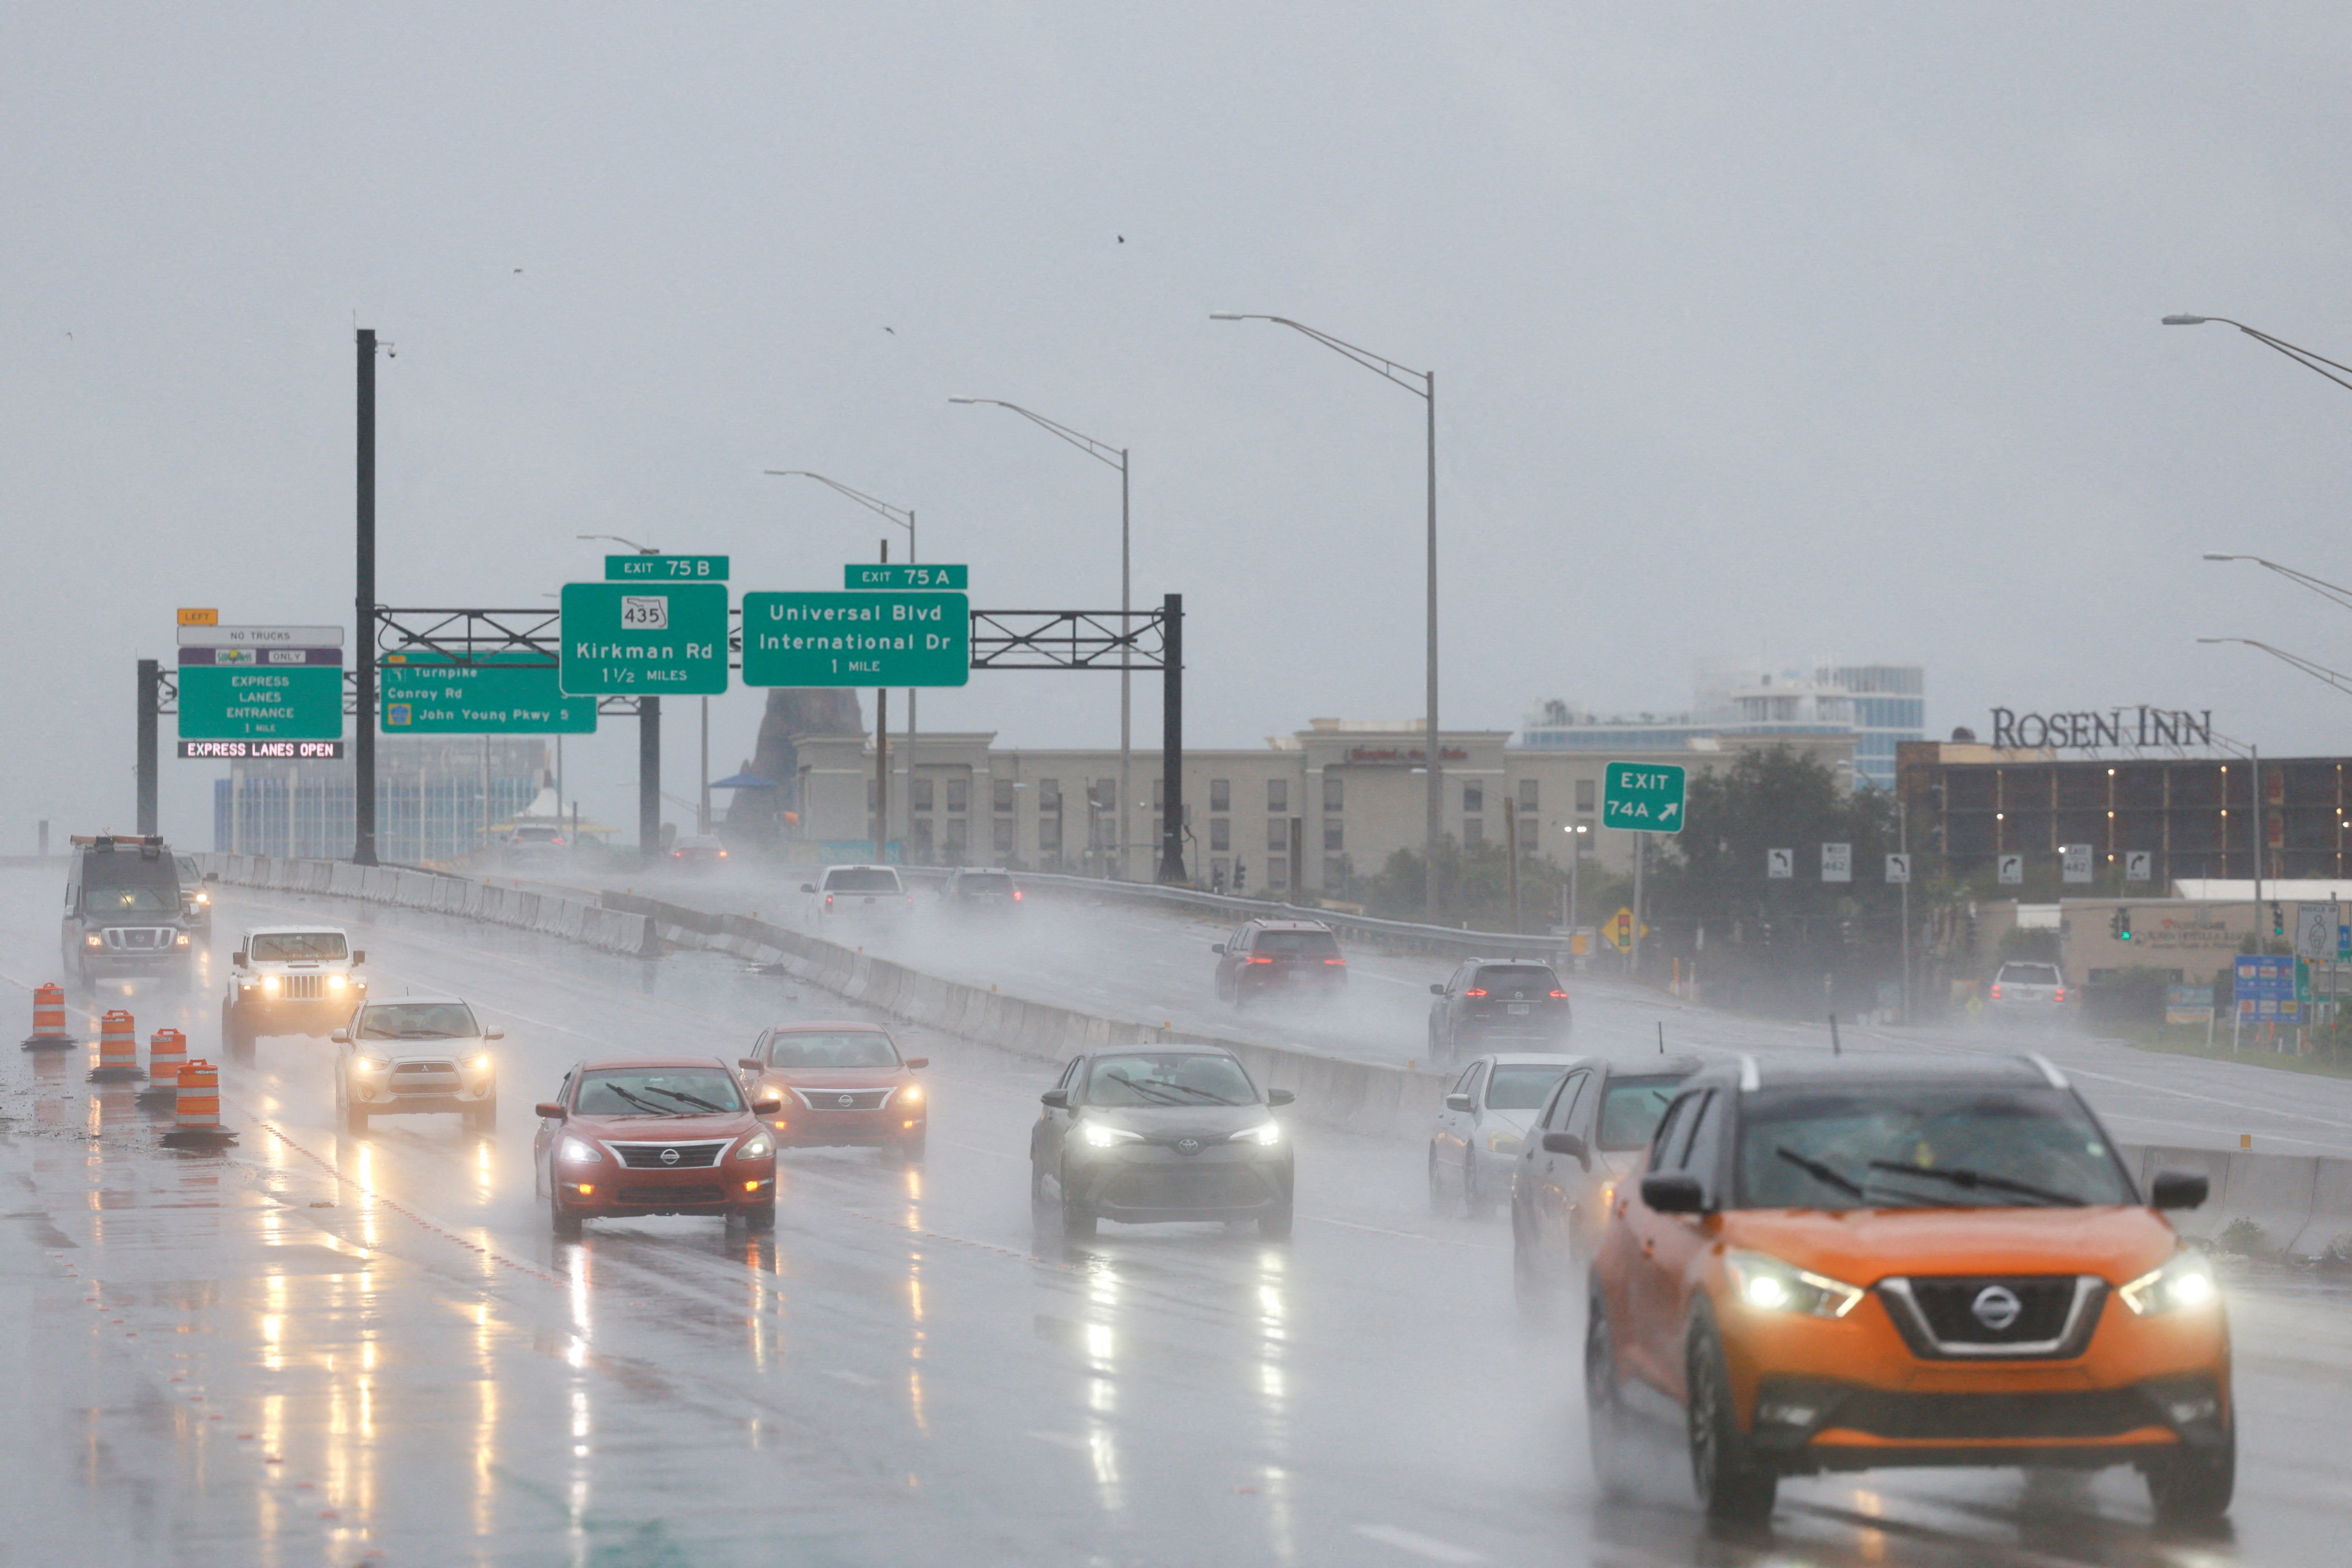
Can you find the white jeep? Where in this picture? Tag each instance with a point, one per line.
(288, 980)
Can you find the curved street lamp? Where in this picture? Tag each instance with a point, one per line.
(2302, 356)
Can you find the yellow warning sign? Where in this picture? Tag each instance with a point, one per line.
(1620, 930)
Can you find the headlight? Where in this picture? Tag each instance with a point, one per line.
(756, 1147)
(337, 982)
(1502, 1143)
(184, 940)
(269, 985)
(480, 1063)
(1264, 1132)
(1103, 1137)
(911, 1095)
(371, 1063)
(93, 940)
(204, 898)
(578, 1153)
(1769, 1285)
(2186, 1280)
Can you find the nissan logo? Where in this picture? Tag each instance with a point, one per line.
(669, 1156)
(847, 1101)
(1188, 1145)
(1997, 1307)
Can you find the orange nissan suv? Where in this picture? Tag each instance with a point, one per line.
(1904, 1262)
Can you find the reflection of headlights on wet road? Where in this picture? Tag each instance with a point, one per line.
(1264, 1132)
(1102, 1137)
(578, 1153)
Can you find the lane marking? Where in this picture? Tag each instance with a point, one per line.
(1418, 1544)
(1063, 1440)
(859, 1378)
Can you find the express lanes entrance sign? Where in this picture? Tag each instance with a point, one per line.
(888, 638)
(517, 693)
(243, 692)
(643, 639)
(1641, 797)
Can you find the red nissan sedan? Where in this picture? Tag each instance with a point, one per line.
(655, 1136)
(839, 1084)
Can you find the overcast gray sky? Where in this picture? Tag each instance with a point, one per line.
(1783, 329)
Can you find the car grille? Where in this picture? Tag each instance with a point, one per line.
(649, 1156)
(843, 1099)
(1954, 1418)
(141, 939)
(2038, 1316)
(301, 987)
(671, 1197)
(424, 1078)
(1186, 1187)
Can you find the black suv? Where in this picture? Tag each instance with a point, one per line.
(1263, 956)
(985, 891)
(1488, 999)
(122, 912)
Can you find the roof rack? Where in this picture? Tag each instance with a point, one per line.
(120, 840)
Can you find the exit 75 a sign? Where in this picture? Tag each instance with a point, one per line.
(1643, 797)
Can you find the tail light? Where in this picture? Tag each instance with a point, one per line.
(1475, 991)
(1016, 895)
(2062, 993)
(1995, 992)
(910, 897)
(1340, 962)
(1560, 996)
(1257, 958)
(678, 854)
(828, 900)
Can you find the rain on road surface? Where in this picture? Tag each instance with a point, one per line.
(314, 1349)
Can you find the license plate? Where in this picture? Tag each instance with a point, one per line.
(1517, 1009)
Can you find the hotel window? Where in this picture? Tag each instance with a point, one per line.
(959, 792)
(1278, 835)
(1335, 792)
(918, 795)
(1584, 791)
(1474, 798)
(1221, 795)
(1002, 789)
(1220, 832)
(1526, 795)
(1277, 794)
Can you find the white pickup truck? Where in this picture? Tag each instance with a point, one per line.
(857, 895)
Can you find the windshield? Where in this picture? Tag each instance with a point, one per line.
(656, 1092)
(1923, 1146)
(289, 947)
(1189, 1077)
(1630, 1110)
(1518, 979)
(148, 900)
(1311, 944)
(2029, 974)
(1520, 1087)
(417, 1021)
(849, 1051)
(863, 879)
(187, 865)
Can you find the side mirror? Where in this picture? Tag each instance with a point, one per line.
(917, 1063)
(358, 955)
(212, 875)
(1570, 1145)
(494, 1033)
(1670, 1192)
(237, 958)
(549, 1110)
(1218, 948)
(2178, 1189)
(340, 1037)
(1279, 1097)
(1055, 1100)
(1436, 989)
(766, 1107)
(1457, 1102)
(750, 1063)
(808, 887)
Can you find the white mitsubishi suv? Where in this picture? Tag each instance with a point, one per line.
(416, 1053)
(288, 980)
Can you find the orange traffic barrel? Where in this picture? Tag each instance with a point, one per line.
(198, 1106)
(48, 1019)
(167, 1053)
(118, 1046)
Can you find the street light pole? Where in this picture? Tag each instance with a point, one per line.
(1117, 458)
(1421, 384)
(2302, 356)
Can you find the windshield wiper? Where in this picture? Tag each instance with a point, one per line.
(1962, 1177)
(1820, 1172)
(1213, 1099)
(689, 1099)
(1152, 1090)
(424, 1034)
(647, 1106)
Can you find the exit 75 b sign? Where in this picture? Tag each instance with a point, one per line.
(1641, 797)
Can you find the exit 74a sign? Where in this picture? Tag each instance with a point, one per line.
(1641, 797)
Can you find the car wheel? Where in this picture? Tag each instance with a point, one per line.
(560, 1220)
(1604, 1410)
(2194, 1486)
(1040, 1200)
(355, 1120)
(1731, 1486)
(482, 1119)
(1437, 1205)
(1077, 1220)
(1477, 1202)
(909, 1151)
(762, 1216)
(1274, 1223)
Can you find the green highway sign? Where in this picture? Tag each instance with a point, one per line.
(511, 693)
(1641, 797)
(954, 578)
(261, 694)
(890, 638)
(645, 639)
(665, 569)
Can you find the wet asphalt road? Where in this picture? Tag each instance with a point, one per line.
(319, 1350)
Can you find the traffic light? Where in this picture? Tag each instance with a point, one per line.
(2119, 925)
(2278, 919)
(1241, 875)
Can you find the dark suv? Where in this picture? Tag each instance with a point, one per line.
(1266, 956)
(1486, 1000)
(986, 892)
(123, 911)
